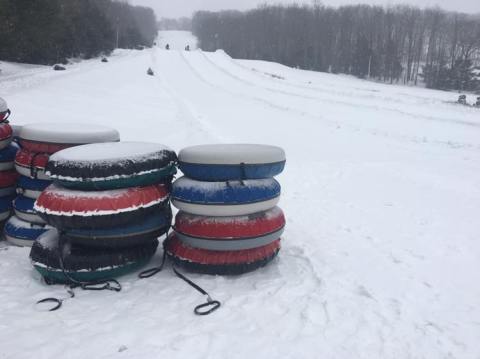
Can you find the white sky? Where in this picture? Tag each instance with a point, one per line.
(178, 8)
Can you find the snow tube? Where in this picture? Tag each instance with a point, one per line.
(232, 198)
(218, 262)
(4, 115)
(103, 166)
(146, 230)
(8, 180)
(31, 164)
(4, 111)
(6, 135)
(231, 162)
(6, 207)
(69, 209)
(230, 233)
(24, 209)
(86, 264)
(21, 233)
(53, 137)
(31, 188)
(7, 157)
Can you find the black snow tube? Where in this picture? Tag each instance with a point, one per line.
(144, 231)
(86, 264)
(103, 166)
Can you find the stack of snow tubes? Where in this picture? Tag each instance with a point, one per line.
(228, 222)
(8, 176)
(109, 204)
(37, 143)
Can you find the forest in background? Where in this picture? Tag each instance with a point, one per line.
(393, 44)
(51, 31)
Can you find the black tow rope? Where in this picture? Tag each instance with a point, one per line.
(206, 308)
(107, 284)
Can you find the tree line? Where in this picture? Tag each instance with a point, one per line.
(394, 44)
(51, 31)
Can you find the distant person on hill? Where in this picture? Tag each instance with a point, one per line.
(477, 104)
(462, 99)
(187, 48)
(167, 47)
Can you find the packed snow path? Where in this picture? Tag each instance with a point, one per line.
(380, 256)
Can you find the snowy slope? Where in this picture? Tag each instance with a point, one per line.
(380, 256)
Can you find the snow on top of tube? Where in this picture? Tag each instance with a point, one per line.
(3, 105)
(49, 239)
(225, 154)
(74, 133)
(185, 183)
(112, 152)
(59, 191)
(245, 219)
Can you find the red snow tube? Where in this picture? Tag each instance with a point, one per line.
(217, 262)
(53, 137)
(6, 134)
(31, 164)
(43, 147)
(69, 209)
(250, 226)
(8, 178)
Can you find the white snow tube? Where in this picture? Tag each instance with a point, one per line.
(223, 210)
(53, 137)
(225, 162)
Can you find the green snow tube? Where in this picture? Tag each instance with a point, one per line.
(81, 264)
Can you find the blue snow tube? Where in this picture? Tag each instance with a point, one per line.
(7, 157)
(31, 187)
(5, 207)
(231, 198)
(231, 162)
(139, 233)
(23, 207)
(21, 233)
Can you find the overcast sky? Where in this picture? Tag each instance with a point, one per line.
(178, 8)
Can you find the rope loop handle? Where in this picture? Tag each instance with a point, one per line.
(150, 272)
(58, 302)
(213, 305)
(108, 284)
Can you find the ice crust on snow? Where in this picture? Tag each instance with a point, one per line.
(232, 154)
(74, 133)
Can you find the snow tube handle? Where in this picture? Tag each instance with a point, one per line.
(213, 305)
(57, 301)
(6, 115)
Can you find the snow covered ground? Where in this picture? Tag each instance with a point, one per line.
(381, 253)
